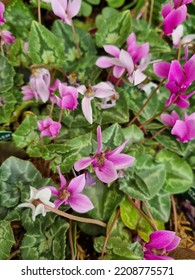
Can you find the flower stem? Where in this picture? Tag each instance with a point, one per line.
(141, 212)
(60, 116)
(150, 215)
(51, 109)
(70, 235)
(151, 11)
(109, 232)
(39, 11)
(174, 213)
(76, 40)
(156, 134)
(144, 105)
(75, 218)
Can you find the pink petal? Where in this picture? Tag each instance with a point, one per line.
(69, 102)
(100, 93)
(42, 89)
(174, 18)
(166, 9)
(173, 244)
(138, 77)
(121, 161)
(160, 239)
(80, 203)
(189, 69)
(170, 119)
(83, 163)
(87, 109)
(77, 184)
(131, 39)
(112, 50)
(117, 150)
(177, 35)
(59, 202)
(182, 103)
(180, 130)
(104, 62)
(118, 71)
(127, 61)
(82, 89)
(175, 73)
(190, 123)
(99, 139)
(161, 69)
(73, 8)
(59, 8)
(45, 132)
(106, 173)
(62, 179)
(148, 255)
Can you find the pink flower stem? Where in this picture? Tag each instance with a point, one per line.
(174, 213)
(39, 11)
(51, 109)
(151, 11)
(109, 232)
(179, 52)
(76, 40)
(60, 116)
(144, 105)
(141, 212)
(150, 215)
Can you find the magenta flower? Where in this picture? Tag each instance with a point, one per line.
(6, 37)
(174, 14)
(71, 194)
(65, 9)
(136, 51)
(48, 127)
(161, 242)
(179, 80)
(68, 97)
(39, 86)
(170, 120)
(101, 90)
(106, 163)
(2, 10)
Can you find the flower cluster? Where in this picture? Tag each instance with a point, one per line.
(134, 60)
(6, 36)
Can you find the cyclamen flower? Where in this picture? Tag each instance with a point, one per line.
(121, 62)
(2, 10)
(71, 194)
(6, 37)
(161, 242)
(68, 97)
(39, 86)
(174, 14)
(179, 80)
(107, 163)
(48, 127)
(65, 9)
(177, 37)
(183, 129)
(42, 195)
(101, 90)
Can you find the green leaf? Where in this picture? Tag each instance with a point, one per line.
(115, 3)
(114, 30)
(16, 177)
(133, 134)
(45, 47)
(45, 238)
(104, 199)
(7, 74)
(18, 18)
(145, 181)
(7, 109)
(160, 206)
(129, 214)
(85, 66)
(179, 173)
(44, 5)
(6, 239)
(112, 136)
(17, 55)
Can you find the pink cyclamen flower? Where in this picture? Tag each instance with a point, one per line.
(121, 62)
(2, 10)
(6, 37)
(39, 86)
(183, 129)
(161, 242)
(68, 97)
(174, 14)
(48, 127)
(136, 51)
(65, 9)
(101, 90)
(71, 194)
(179, 80)
(106, 163)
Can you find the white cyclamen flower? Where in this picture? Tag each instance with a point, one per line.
(44, 196)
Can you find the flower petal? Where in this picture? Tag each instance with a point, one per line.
(127, 61)
(73, 8)
(173, 244)
(112, 50)
(174, 18)
(161, 69)
(181, 131)
(138, 77)
(77, 184)
(80, 203)
(104, 62)
(87, 109)
(62, 179)
(83, 163)
(121, 161)
(160, 239)
(106, 173)
(118, 71)
(118, 149)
